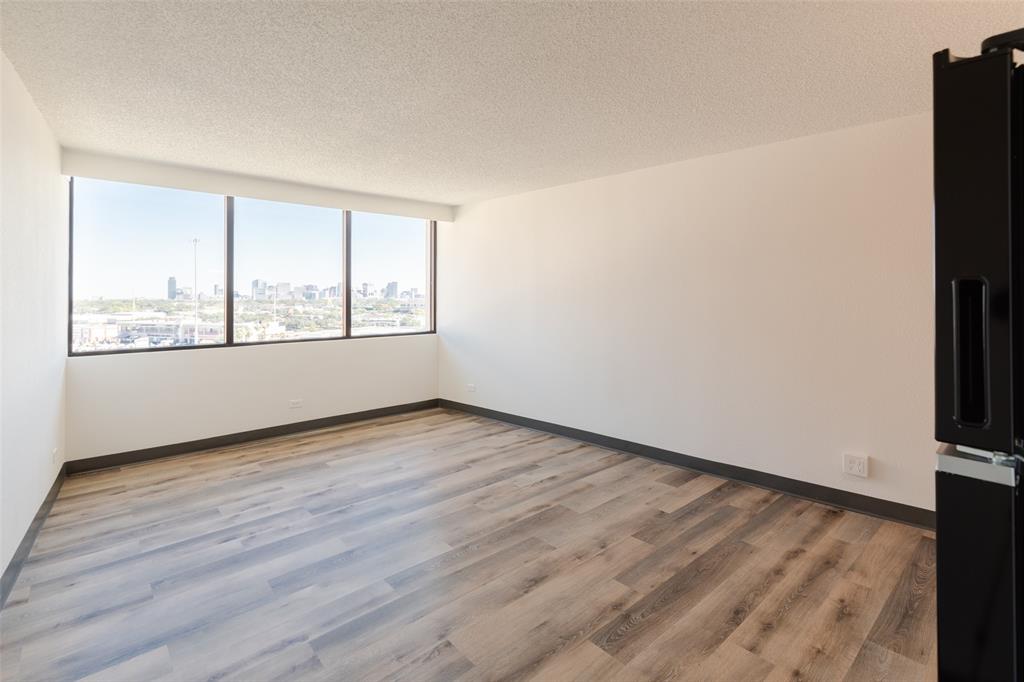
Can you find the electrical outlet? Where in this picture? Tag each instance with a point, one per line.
(294, 403)
(471, 388)
(855, 465)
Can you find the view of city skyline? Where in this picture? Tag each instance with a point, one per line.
(129, 238)
(265, 290)
(148, 269)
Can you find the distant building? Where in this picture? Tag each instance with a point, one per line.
(366, 288)
(392, 290)
(310, 291)
(172, 288)
(283, 290)
(259, 290)
(218, 290)
(185, 293)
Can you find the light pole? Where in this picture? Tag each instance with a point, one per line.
(195, 286)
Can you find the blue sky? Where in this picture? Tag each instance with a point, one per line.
(128, 239)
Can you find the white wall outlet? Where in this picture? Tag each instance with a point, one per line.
(294, 403)
(471, 388)
(855, 465)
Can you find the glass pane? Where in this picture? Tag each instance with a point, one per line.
(288, 271)
(390, 274)
(148, 267)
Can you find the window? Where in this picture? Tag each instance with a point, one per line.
(148, 268)
(288, 271)
(151, 268)
(390, 281)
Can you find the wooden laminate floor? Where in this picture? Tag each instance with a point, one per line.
(443, 546)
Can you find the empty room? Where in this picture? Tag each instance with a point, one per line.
(551, 341)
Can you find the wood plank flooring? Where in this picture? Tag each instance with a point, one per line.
(443, 546)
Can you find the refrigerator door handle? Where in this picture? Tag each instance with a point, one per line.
(970, 352)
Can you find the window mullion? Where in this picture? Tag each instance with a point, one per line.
(347, 270)
(432, 276)
(229, 270)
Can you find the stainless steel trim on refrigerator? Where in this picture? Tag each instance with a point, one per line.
(995, 469)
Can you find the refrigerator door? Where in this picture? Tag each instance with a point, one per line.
(974, 187)
(977, 521)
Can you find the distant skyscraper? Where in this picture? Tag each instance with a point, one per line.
(218, 290)
(392, 290)
(366, 288)
(259, 290)
(172, 288)
(284, 290)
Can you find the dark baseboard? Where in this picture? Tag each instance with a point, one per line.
(79, 466)
(864, 504)
(10, 575)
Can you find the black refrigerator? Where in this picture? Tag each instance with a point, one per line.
(979, 359)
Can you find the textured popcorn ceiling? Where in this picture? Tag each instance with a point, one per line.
(453, 102)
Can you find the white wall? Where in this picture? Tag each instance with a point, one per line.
(769, 308)
(33, 304)
(118, 403)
